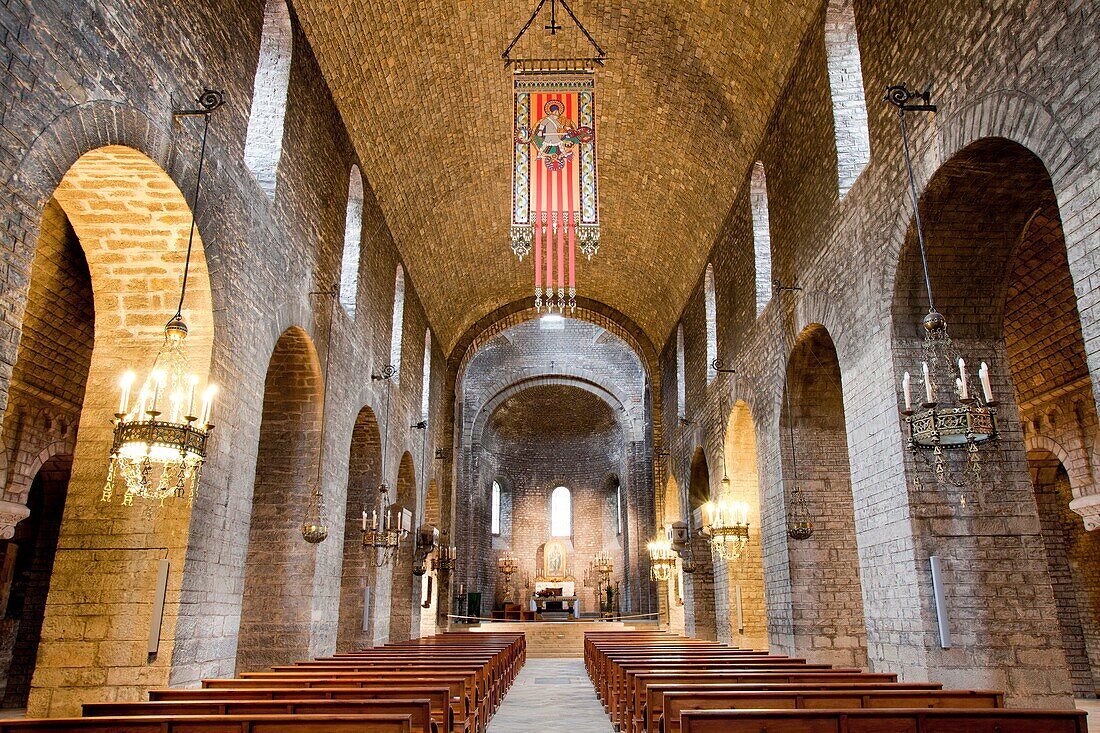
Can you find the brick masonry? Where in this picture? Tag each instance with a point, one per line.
(1022, 72)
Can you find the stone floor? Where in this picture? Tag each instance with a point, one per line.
(551, 694)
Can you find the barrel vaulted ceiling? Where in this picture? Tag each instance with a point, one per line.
(681, 106)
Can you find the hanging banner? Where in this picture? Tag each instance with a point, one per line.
(554, 204)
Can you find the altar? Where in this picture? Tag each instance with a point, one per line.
(554, 596)
(556, 608)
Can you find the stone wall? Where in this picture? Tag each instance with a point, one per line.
(843, 253)
(112, 77)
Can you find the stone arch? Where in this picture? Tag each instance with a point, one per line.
(109, 246)
(1073, 561)
(826, 588)
(1000, 269)
(579, 378)
(739, 590)
(357, 574)
(403, 602)
(1017, 117)
(31, 551)
(279, 568)
(263, 143)
(699, 595)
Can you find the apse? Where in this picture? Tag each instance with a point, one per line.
(554, 456)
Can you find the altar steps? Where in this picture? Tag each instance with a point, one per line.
(555, 640)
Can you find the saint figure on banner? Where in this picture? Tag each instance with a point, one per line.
(555, 136)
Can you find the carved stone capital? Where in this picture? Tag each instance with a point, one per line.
(1089, 509)
(11, 514)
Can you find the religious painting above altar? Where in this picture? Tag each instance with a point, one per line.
(555, 563)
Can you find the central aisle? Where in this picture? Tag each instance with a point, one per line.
(551, 694)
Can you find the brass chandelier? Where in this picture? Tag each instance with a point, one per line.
(160, 436)
(726, 523)
(937, 425)
(386, 526)
(385, 535)
(445, 559)
(662, 559)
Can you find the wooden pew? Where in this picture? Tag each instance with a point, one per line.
(748, 676)
(648, 705)
(677, 702)
(419, 711)
(463, 703)
(941, 720)
(469, 703)
(216, 724)
(439, 698)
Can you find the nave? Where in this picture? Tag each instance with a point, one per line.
(338, 328)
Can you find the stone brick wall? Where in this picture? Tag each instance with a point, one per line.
(844, 255)
(111, 77)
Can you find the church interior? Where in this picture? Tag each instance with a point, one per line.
(644, 366)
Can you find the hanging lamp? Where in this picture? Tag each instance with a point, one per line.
(160, 436)
(952, 415)
(383, 530)
(662, 559)
(315, 524)
(800, 523)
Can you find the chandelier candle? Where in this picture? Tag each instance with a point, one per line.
(906, 390)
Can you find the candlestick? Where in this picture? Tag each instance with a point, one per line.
(963, 391)
(374, 520)
(143, 400)
(207, 404)
(126, 383)
(194, 380)
(927, 382)
(176, 399)
(906, 392)
(158, 378)
(987, 388)
(364, 520)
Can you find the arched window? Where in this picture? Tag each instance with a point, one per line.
(712, 323)
(263, 143)
(426, 389)
(853, 142)
(398, 322)
(561, 513)
(618, 508)
(761, 235)
(353, 232)
(681, 388)
(496, 508)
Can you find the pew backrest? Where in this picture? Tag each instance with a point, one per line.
(942, 720)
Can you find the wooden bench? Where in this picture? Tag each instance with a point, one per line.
(439, 698)
(419, 711)
(648, 706)
(463, 705)
(676, 703)
(942, 720)
(748, 676)
(217, 724)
